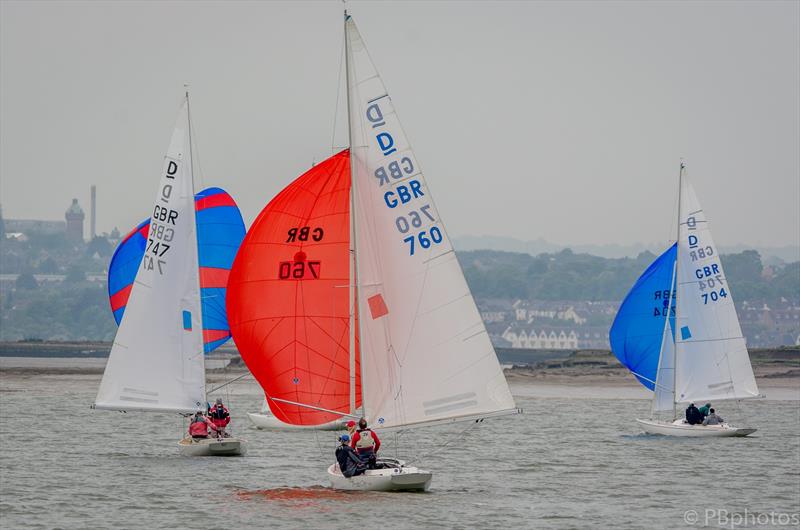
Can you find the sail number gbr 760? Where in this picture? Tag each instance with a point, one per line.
(410, 193)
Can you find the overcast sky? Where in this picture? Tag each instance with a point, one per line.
(561, 120)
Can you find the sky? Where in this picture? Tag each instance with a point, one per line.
(557, 120)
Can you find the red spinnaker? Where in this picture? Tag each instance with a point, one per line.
(287, 300)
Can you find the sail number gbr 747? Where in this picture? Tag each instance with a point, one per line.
(412, 223)
(162, 225)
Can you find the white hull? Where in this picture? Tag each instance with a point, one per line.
(396, 478)
(270, 422)
(213, 446)
(681, 428)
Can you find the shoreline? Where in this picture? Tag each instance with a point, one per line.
(575, 379)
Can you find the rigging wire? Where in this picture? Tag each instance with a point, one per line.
(451, 440)
(338, 92)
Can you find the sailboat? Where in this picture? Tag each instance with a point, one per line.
(157, 362)
(347, 299)
(677, 329)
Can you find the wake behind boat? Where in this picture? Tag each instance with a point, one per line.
(677, 330)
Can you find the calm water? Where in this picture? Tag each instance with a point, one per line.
(566, 463)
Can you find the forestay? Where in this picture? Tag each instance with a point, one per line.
(426, 354)
(712, 362)
(156, 361)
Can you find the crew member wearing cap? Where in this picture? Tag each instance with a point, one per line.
(351, 428)
(349, 463)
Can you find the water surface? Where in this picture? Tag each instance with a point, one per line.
(568, 462)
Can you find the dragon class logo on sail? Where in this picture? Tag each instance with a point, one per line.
(414, 223)
(161, 234)
(709, 277)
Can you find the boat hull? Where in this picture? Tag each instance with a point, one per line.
(213, 447)
(681, 428)
(396, 478)
(270, 422)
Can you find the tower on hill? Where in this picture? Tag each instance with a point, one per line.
(74, 217)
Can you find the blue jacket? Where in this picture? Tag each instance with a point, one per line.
(349, 462)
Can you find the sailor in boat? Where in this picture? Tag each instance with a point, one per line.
(713, 419)
(198, 427)
(704, 411)
(351, 428)
(693, 415)
(366, 444)
(220, 417)
(349, 463)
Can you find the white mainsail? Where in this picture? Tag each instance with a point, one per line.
(711, 359)
(156, 362)
(425, 353)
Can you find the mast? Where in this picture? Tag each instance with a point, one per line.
(196, 245)
(677, 306)
(353, 266)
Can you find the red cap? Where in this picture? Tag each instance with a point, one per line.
(351, 423)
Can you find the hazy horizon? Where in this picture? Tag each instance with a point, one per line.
(559, 121)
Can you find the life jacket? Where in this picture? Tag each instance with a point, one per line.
(198, 428)
(365, 440)
(219, 414)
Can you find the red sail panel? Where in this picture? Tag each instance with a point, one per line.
(287, 302)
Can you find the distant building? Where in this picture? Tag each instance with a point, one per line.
(28, 226)
(74, 217)
(93, 218)
(543, 339)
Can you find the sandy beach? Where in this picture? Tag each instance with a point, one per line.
(578, 377)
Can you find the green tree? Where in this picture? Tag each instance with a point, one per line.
(99, 245)
(26, 281)
(48, 266)
(75, 274)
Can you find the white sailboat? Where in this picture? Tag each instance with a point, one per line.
(677, 330)
(157, 359)
(346, 298)
(426, 356)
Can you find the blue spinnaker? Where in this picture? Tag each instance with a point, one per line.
(220, 230)
(638, 329)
